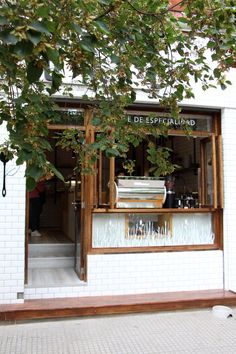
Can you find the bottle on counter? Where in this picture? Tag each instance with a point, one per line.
(170, 193)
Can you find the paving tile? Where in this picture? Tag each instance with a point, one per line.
(171, 332)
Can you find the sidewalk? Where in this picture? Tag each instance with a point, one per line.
(170, 332)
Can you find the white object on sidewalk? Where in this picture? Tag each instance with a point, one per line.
(222, 311)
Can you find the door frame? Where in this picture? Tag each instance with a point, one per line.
(87, 202)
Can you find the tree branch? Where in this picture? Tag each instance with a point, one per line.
(110, 8)
(140, 11)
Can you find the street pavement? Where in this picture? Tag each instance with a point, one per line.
(164, 332)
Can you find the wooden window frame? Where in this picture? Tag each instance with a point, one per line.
(215, 209)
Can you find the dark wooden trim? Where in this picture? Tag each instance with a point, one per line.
(65, 126)
(196, 134)
(154, 211)
(214, 172)
(122, 304)
(202, 194)
(88, 195)
(82, 217)
(151, 249)
(99, 177)
(218, 228)
(74, 102)
(216, 128)
(111, 183)
(175, 132)
(220, 171)
(149, 107)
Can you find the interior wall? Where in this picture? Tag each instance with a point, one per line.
(58, 211)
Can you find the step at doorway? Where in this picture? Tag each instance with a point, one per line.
(51, 260)
(50, 236)
(53, 277)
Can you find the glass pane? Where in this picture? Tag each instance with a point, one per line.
(196, 123)
(182, 192)
(149, 230)
(103, 180)
(70, 117)
(208, 171)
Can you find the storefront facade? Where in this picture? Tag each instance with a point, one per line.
(129, 245)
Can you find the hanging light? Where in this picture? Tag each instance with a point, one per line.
(4, 160)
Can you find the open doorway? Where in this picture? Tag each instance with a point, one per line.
(54, 254)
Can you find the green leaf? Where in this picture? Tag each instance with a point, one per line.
(3, 21)
(229, 61)
(111, 152)
(43, 11)
(96, 121)
(39, 27)
(7, 37)
(53, 55)
(30, 184)
(77, 28)
(179, 91)
(183, 19)
(223, 86)
(5, 116)
(34, 72)
(56, 172)
(133, 96)
(102, 27)
(87, 45)
(56, 80)
(104, 2)
(115, 59)
(34, 37)
(214, 57)
(225, 46)
(23, 48)
(51, 26)
(24, 156)
(34, 171)
(44, 144)
(211, 44)
(217, 73)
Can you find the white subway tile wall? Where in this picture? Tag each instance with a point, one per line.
(143, 273)
(229, 163)
(12, 231)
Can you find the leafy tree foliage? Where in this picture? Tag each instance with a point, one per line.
(111, 47)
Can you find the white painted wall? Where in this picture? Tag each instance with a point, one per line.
(119, 274)
(12, 231)
(229, 161)
(212, 98)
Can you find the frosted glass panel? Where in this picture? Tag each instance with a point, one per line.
(108, 230)
(192, 229)
(149, 230)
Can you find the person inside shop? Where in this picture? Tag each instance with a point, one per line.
(36, 202)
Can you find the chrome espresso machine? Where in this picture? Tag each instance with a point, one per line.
(139, 192)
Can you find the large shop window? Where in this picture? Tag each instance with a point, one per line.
(182, 211)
